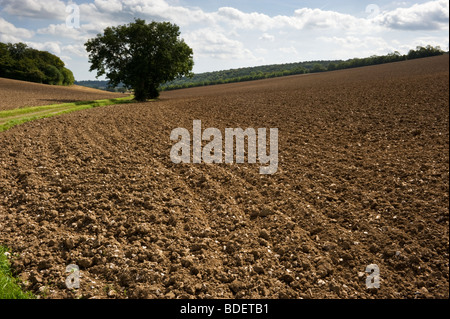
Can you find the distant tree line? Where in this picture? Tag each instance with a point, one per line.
(278, 70)
(102, 85)
(20, 62)
(420, 52)
(247, 74)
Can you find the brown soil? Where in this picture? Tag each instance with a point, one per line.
(363, 179)
(15, 94)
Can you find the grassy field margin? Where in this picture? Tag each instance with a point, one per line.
(11, 118)
(9, 286)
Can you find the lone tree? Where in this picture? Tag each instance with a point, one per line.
(141, 56)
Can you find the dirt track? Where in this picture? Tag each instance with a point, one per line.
(14, 94)
(363, 179)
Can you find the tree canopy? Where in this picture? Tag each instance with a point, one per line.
(20, 62)
(141, 56)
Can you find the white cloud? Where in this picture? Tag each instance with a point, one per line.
(162, 10)
(40, 9)
(317, 18)
(9, 30)
(344, 47)
(289, 50)
(213, 43)
(241, 20)
(433, 15)
(63, 31)
(353, 42)
(6, 38)
(304, 18)
(50, 46)
(75, 49)
(261, 51)
(108, 5)
(267, 37)
(424, 41)
(9, 33)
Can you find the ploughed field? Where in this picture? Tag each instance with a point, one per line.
(15, 94)
(363, 178)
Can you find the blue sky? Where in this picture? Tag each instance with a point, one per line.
(228, 34)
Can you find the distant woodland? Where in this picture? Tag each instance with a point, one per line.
(20, 62)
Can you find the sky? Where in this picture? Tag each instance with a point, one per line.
(227, 34)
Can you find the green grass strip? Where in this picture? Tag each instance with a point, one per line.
(32, 109)
(11, 118)
(9, 288)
